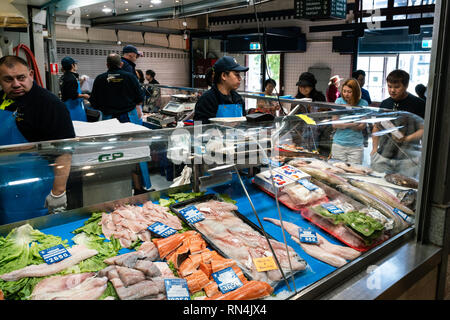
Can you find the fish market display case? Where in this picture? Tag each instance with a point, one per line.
(276, 204)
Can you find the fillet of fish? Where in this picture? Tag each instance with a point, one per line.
(78, 254)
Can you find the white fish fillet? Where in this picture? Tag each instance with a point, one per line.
(343, 252)
(78, 254)
(320, 254)
(71, 287)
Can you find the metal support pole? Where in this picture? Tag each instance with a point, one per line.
(52, 56)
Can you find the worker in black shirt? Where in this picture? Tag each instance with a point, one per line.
(400, 99)
(152, 94)
(222, 100)
(118, 94)
(70, 90)
(28, 113)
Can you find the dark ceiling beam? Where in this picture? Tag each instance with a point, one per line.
(288, 32)
(383, 25)
(198, 8)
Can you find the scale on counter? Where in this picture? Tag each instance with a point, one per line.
(178, 107)
(179, 104)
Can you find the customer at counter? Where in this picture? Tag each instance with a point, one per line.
(29, 113)
(360, 76)
(333, 88)
(348, 140)
(267, 106)
(222, 100)
(130, 54)
(71, 93)
(306, 88)
(399, 98)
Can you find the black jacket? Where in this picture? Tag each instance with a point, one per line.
(128, 66)
(208, 104)
(41, 116)
(69, 86)
(116, 92)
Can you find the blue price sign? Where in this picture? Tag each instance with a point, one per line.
(54, 254)
(332, 208)
(307, 236)
(161, 229)
(307, 184)
(177, 289)
(191, 214)
(227, 280)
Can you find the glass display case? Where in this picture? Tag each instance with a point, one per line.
(238, 209)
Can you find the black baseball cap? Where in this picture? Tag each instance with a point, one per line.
(306, 79)
(68, 61)
(228, 63)
(130, 48)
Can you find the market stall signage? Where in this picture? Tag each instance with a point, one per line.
(265, 264)
(161, 229)
(320, 9)
(192, 215)
(307, 119)
(227, 280)
(110, 156)
(177, 289)
(307, 236)
(54, 254)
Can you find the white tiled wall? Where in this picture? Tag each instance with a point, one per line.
(317, 54)
(171, 66)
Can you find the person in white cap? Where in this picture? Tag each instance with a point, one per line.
(333, 88)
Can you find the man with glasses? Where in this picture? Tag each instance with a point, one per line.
(222, 100)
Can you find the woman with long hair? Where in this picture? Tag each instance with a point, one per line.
(348, 140)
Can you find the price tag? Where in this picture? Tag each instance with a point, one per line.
(307, 184)
(265, 264)
(161, 229)
(227, 280)
(177, 289)
(307, 119)
(279, 180)
(308, 236)
(54, 254)
(332, 208)
(404, 216)
(192, 215)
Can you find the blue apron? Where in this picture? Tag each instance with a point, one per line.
(25, 179)
(132, 116)
(229, 111)
(76, 107)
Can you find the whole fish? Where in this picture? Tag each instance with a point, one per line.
(326, 177)
(381, 194)
(401, 180)
(368, 199)
(408, 198)
(351, 167)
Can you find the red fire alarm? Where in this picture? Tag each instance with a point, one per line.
(54, 68)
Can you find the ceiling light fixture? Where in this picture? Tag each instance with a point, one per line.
(155, 1)
(107, 10)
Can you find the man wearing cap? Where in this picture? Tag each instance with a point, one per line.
(129, 56)
(29, 113)
(222, 100)
(70, 90)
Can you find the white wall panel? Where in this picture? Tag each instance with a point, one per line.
(171, 66)
(131, 37)
(101, 35)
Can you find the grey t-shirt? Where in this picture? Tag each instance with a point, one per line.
(407, 124)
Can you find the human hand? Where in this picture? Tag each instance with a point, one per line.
(56, 203)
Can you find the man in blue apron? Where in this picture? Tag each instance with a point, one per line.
(117, 94)
(222, 100)
(30, 186)
(70, 90)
